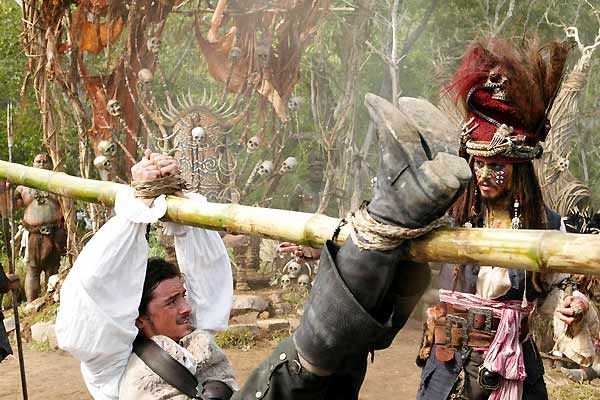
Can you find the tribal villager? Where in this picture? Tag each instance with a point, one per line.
(120, 324)
(44, 231)
(476, 345)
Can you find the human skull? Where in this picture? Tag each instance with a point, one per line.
(235, 53)
(293, 269)
(113, 107)
(285, 281)
(562, 164)
(262, 54)
(145, 76)
(198, 134)
(252, 144)
(294, 103)
(304, 282)
(496, 84)
(108, 149)
(265, 168)
(289, 164)
(102, 163)
(153, 44)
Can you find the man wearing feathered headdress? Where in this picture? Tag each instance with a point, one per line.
(477, 345)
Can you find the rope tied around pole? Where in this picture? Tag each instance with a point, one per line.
(165, 185)
(575, 81)
(369, 234)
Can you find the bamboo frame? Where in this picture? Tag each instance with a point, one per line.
(540, 251)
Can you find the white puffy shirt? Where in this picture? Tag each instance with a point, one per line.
(99, 299)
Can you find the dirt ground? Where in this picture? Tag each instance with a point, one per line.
(55, 374)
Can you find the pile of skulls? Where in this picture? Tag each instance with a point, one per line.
(296, 276)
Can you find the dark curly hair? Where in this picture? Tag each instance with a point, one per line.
(157, 271)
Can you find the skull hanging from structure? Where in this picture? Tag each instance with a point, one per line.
(198, 134)
(562, 164)
(113, 107)
(102, 163)
(304, 282)
(252, 144)
(294, 103)
(235, 53)
(108, 149)
(265, 168)
(262, 54)
(153, 45)
(145, 76)
(288, 165)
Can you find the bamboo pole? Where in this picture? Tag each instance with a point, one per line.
(541, 251)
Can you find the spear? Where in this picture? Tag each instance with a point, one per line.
(11, 256)
(534, 250)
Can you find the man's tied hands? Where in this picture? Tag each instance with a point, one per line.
(153, 166)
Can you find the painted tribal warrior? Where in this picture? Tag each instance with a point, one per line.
(476, 345)
(43, 222)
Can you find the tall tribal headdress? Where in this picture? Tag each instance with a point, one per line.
(507, 91)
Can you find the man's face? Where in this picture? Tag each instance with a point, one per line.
(168, 313)
(41, 161)
(493, 179)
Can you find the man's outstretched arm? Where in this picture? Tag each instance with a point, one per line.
(203, 259)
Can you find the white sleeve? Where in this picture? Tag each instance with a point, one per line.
(204, 261)
(99, 299)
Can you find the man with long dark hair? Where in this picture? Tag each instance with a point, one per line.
(476, 345)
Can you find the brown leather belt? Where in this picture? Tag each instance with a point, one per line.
(461, 329)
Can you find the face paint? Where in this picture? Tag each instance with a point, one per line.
(493, 179)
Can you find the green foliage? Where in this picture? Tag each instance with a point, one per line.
(47, 313)
(27, 123)
(40, 346)
(156, 248)
(278, 335)
(242, 339)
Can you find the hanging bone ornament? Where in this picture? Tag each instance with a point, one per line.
(235, 53)
(262, 55)
(113, 107)
(145, 76)
(108, 149)
(562, 164)
(285, 281)
(289, 164)
(294, 103)
(153, 44)
(102, 163)
(304, 282)
(198, 134)
(252, 144)
(265, 168)
(496, 84)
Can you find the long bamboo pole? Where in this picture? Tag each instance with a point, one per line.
(540, 251)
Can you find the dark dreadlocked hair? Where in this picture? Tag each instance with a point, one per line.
(524, 184)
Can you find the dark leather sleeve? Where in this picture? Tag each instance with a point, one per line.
(216, 390)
